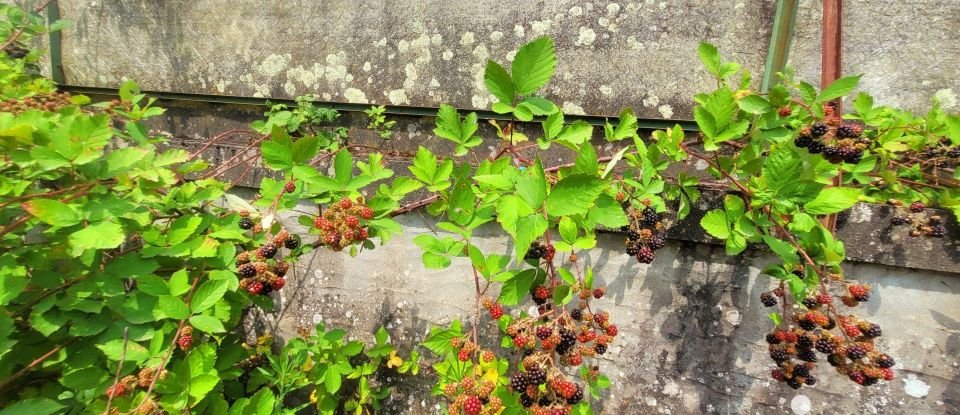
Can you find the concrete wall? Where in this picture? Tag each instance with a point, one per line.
(612, 54)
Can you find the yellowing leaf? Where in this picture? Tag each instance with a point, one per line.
(492, 375)
(394, 360)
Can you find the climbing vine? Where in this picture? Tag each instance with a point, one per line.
(127, 266)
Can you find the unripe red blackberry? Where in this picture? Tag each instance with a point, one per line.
(612, 330)
(352, 221)
(599, 292)
(621, 197)
(785, 111)
(550, 252)
(116, 390)
(768, 299)
(278, 283)
(472, 406)
(255, 288)
(345, 203)
(645, 255)
(185, 342)
(496, 311)
(290, 187)
(824, 298)
(487, 356)
(859, 292)
(463, 354)
(917, 207)
(366, 213)
(246, 223)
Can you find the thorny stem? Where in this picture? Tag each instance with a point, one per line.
(36, 362)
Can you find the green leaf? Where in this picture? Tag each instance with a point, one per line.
(538, 106)
(438, 341)
(343, 167)
(715, 223)
(172, 307)
(498, 82)
(261, 403)
(626, 127)
(710, 57)
(785, 250)
(33, 406)
(833, 200)
(574, 195)
(532, 185)
(754, 104)
(277, 152)
(528, 229)
(533, 66)
(114, 348)
(53, 212)
(607, 212)
(207, 324)
(207, 295)
(424, 165)
(102, 235)
(516, 288)
(568, 229)
(840, 87)
(305, 149)
(461, 205)
(124, 158)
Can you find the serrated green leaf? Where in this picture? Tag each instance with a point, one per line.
(715, 223)
(498, 82)
(840, 87)
(207, 295)
(574, 195)
(533, 65)
(103, 235)
(53, 212)
(754, 104)
(833, 200)
(207, 324)
(33, 406)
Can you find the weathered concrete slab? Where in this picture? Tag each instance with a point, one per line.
(692, 326)
(908, 52)
(613, 54)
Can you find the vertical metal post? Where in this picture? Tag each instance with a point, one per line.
(832, 51)
(781, 36)
(56, 52)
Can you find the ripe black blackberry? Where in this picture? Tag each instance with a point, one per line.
(526, 400)
(535, 252)
(900, 220)
(801, 371)
(810, 302)
(518, 382)
(819, 129)
(854, 158)
(848, 131)
(267, 250)
(567, 340)
(772, 338)
(953, 152)
(536, 376)
(246, 223)
(657, 242)
(803, 141)
(807, 355)
(884, 361)
(811, 381)
(816, 147)
(836, 360)
(768, 299)
(826, 346)
(856, 352)
(938, 231)
(291, 243)
(779, 355)
(872, 331)
(633, 235)
(650, 216)
(645, 255)
(805, 342)
(794, 383)
(632, 248)
(576, 314)
(247, 270)
(577, 396)
(807, 324)
(600, 348)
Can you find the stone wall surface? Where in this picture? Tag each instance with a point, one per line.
(692, 326)
(639, 54)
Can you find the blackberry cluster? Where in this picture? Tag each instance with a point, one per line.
(259, 272)
(932, 226)
(472, 396)
(16, 51)
(557, 398)
(540, 250)
(340, 224)
(847, 341)
(51, 102)
(644, 234)
(835, 140)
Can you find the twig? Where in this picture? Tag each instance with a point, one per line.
(116, 377)
(217, 138)
(6, 382)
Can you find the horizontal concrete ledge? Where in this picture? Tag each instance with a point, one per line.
(403, 110)
(865, 229)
